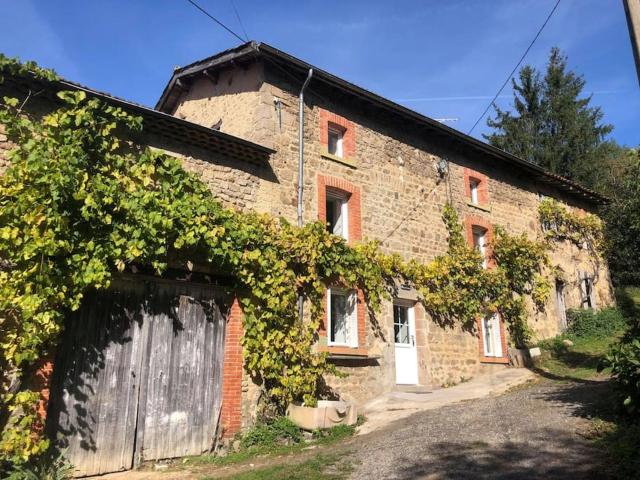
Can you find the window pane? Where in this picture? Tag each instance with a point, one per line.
(401, 324)
(338, 318)
(336, 209)
(334, 136)
(488, 334)
(331, 214)
(480, 242)
(343, 318)
(474, 192)
(334, 145)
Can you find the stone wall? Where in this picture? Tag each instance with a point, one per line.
(394, 165)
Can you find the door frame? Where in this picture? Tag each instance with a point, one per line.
(497, 343)
(411, 317)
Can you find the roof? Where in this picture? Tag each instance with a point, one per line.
(253, 50)
(154, 122)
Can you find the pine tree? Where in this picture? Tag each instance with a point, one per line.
(552, 123)
(521, 134)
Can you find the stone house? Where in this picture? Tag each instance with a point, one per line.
(372, 170)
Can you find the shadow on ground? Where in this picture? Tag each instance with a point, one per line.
(511, 460)
(541, 431)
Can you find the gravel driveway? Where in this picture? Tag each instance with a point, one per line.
(533, 432)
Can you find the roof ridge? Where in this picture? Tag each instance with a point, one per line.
(275, 53)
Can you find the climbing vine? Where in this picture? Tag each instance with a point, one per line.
(80, 201)
(561, 224)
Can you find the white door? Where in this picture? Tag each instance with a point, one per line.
(491, 336)
(404, 330)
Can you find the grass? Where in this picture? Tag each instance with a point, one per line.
(319, 438)
(619, 437)
(320, 467)
(578, 362)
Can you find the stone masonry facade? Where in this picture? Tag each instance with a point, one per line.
(394, 170)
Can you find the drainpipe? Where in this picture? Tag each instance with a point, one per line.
(301, 145)
(301, 170)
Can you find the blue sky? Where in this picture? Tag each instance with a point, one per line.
(442, 58)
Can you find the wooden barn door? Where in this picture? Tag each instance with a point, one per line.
(138, 375)
(180, 397)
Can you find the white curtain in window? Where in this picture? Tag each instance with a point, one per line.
(343, 321)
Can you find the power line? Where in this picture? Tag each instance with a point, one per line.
(246, 36)
(216, 20)
(516, 67)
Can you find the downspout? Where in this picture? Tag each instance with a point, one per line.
(301, 145)
(301, 170)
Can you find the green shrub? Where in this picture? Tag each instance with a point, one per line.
(334, 433)
(554, 345)
(624, 360)
(280, 431)
(628, 301)
(589, 323)
(623, 446)
(50, 465)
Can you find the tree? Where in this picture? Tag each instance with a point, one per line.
(622, 219)
(521, 134)
(552, 123)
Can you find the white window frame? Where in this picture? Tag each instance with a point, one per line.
(352, 329)
(339, 132)
(474, 186)
(344, 211)
(481, 233)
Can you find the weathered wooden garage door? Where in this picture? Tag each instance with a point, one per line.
(138, 374)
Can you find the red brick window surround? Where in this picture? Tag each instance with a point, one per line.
(351, 194)
(333, 186)
(503, 344)
(473, 226)
(340, 125)
(476, 187)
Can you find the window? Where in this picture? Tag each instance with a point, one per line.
(335, 140)
(474, 185)
(586, 289)
(342, 318)
(337, 213)
(401, 329)
(480, 242)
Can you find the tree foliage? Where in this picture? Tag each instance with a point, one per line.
(622, 223)
(81, 201)
(552, 123)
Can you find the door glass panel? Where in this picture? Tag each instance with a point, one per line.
(401, 324)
